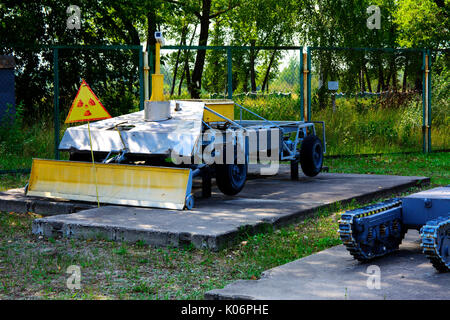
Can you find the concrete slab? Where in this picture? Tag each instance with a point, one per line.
(218, 222)
(334, 274)
(14, 200)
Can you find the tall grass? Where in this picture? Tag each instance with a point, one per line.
(19, 143)
(360, 125)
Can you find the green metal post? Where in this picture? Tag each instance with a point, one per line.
(229, 71)
(423, 103)
(429, 101)
(426, 101)
(302, 90)
(309, 83)
(56, 101)
(141, 78)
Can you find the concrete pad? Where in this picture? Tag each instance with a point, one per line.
(218, 222)
(14, 200)
(334, 274)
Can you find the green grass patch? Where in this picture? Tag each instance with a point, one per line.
(433, 165)
(362, 125)
(35, 267)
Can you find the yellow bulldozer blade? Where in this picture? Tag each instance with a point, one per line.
(135, 185)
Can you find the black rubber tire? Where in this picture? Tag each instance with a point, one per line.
(227, 180)
(311, 156)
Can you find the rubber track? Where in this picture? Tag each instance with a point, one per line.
(346, 230)
(430, 242)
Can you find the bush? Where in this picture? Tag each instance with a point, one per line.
(11, 135)
(19, 143)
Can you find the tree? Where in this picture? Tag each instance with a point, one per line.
(263, 23)
(423, 24)
(204, 11)
(43, 22)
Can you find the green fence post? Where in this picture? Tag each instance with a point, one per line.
(56, 100)
(309, 83)
(426, 101)
(302, 88)
(429, 101)
(423, 102)
(424, 149)
(229, 71)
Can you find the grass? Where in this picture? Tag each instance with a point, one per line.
(36, 268)
(32, 267)
(433, 165)
(362, 125)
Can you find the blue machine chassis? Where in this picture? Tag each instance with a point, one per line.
(376, 230)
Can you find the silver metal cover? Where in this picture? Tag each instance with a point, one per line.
(156, 110)
(180, 133)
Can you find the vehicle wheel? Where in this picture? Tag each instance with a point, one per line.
(230, 178)
(311, 156)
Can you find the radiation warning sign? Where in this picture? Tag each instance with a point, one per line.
(86, 106)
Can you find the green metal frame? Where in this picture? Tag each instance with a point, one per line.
(426, 126)
(229, 52)
(426, 100)
(302, 86)
(309, 82)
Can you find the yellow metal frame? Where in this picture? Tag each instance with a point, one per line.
(223, 107)
(145, 186)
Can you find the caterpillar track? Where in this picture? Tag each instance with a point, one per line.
(372, 246)
(376, 230)
(436, 242)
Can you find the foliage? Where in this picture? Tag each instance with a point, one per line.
(423, 24)
(440, 115)
(359, 125)
(113, 75)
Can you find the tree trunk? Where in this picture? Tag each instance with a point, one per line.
(388, 80)
(151, 41)
(265, 84)
(369, 85)
(405, 75)
(394, 74)
(196, 81)
(363, 82)
(380, 86)
(175, 71)
(186, 71)
(245, 86)
(181, 83)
